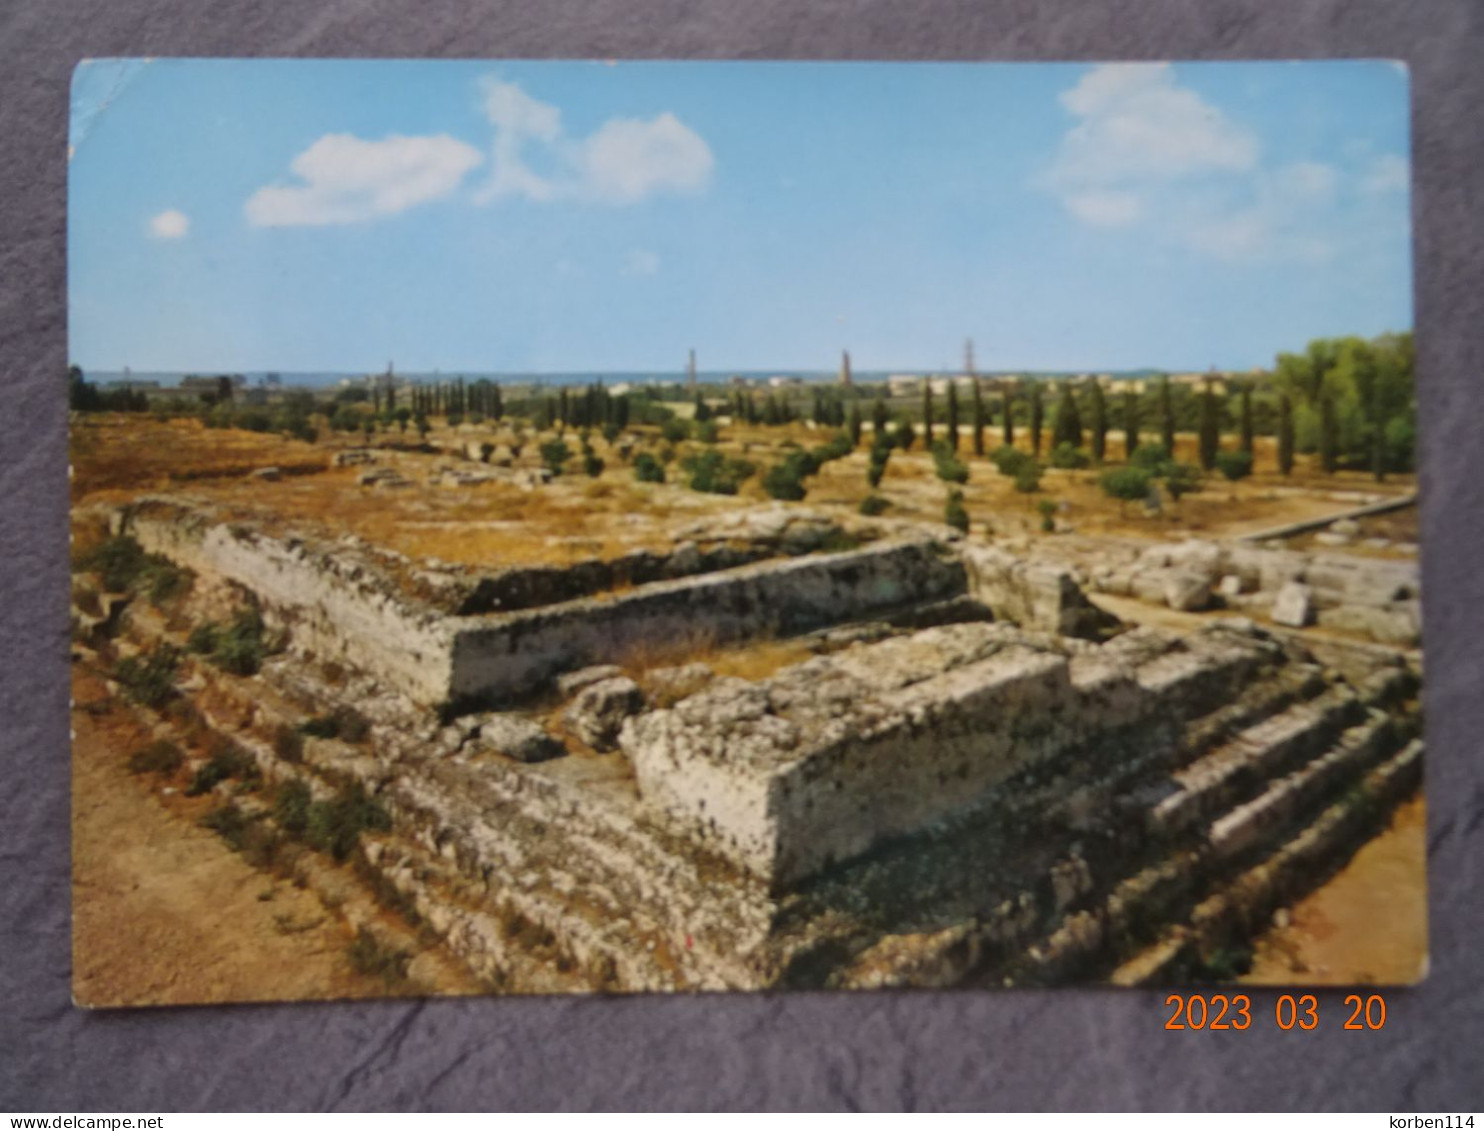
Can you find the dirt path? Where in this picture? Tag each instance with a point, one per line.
(163, 912)
(1368, 925)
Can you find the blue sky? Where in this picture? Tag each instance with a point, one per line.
(589, 216)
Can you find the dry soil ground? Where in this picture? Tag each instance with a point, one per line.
(163, 912)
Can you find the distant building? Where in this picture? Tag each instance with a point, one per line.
(904, 384)
(784, 381)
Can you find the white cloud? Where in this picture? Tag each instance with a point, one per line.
(1136, 123)
(170, 224)
(627, 159)
(1104, 209)
(1388, 173)
(345, 179)
(624, 161)
(641, 262)
(1148, 154)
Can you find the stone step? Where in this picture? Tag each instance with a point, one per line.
(1241, 765)
(1175, 887)
(1255, 822)
(1262, 700)
(1286, 873)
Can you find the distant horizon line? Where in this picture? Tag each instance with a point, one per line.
(679, 376)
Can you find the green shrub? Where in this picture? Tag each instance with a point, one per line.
(1028, 477)
(149, 678)
(1047, 507)
(371, 957)
(228, 760)
(230, 823)
(202, 640)
(123, 567)
(344, 723)
(1181, 479)
(291, 807)
(1007, 460)
(1150, 457)
(554, 453)
(838, 447)
(708, 432)
(647, 469)
(953, 511)
(1070, 458)
(288, 743)
(873, 505)
(716, 474)
(335, 826)
(783, 481)
(1126, 484)
(1234, 465)
(162, 580)
(159, 757)
(948, 466)
(239, 646)
(675, 430)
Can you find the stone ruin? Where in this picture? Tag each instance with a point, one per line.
(977, 777)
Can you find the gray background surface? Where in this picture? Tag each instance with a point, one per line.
(1068, 1049)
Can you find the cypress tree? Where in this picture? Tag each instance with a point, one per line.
(1285, 434)
(952, 417)
(879, 419)
(1067, 428)
(1246, 422)
(1210, 429)
(927, 411)
(497, 403)
(1329, 439)
(1098, 411)
(1038, 411)
(979, 420)
(1007, 400)
(1130, 424)
(564, 408)
(1166, 419)
(853, 425)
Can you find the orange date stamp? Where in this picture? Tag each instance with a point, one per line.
(1213, 1012)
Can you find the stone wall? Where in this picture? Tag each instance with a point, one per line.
(337, 605)
(1035, 595)
(831, 757)
(503, 657)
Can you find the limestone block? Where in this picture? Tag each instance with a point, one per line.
(1230, 586)
(573, 682)
(598, 713)
(1187, 589)
(1399, 624)
(519, 738)
(1294, 605)
(670, 685)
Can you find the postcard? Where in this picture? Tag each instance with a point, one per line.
(591, 527)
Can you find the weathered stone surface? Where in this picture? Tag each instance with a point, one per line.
(351, 457)
(599, 710)
(501, 656)
(1294, 605)
(1033, 595)
(1231, 586)
(670, 685)
(573, 682)
(1345, 528)
(517, 737)
(268, 474)
(1399, 624)
(1187, 589)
